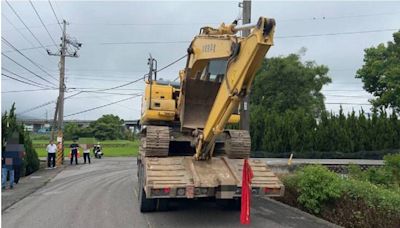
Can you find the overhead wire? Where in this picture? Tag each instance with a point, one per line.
(102, 106)
(26, 79)
(22, 21)
(26, 69)
(25, 38)
(16, 79)
(27, 49)
(337, 33)
(168, 65)
(147, 42)
(99, 91)
(29, 59)
(276, 37)
(28, 90)
(336, 17)
(41, 21)
(47, 103)
(55, 15)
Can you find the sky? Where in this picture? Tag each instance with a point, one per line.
(333, 33)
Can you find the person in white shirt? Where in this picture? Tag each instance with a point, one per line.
(51, 154)
(86, 153)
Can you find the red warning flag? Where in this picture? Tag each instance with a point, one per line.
(247, 175)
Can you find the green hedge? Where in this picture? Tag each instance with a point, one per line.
(351, 202)
(327, 136)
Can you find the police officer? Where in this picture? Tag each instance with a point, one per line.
(74, 152)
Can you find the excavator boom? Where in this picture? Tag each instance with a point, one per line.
(244, 60)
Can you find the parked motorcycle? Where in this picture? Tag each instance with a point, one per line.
(97, 151)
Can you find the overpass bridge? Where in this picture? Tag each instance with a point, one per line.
(36, 125)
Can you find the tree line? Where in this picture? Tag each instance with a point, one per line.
(107, 127)
(355, 135)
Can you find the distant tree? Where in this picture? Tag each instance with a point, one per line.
(72, 130)
(107, 127)
(286, 83)
(381, 74)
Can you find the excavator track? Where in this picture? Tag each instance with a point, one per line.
(238, 144)
(155, 142)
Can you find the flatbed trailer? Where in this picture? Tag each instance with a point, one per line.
(164, 178)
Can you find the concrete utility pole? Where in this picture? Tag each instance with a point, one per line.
(244, 123)
(63, 52)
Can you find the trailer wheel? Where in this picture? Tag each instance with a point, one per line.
(146, 205)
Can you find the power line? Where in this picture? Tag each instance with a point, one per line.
(146, 42)
(101, 106)
(22, 21)
(27, 79)
(172, 63)
(94, 78)
(122, 94)
(100, 91)
(28, 90)
(335, 34)
(47, 103)
(23, 36)
(146, 24)
(16, 79)
(276, 37)
(140, 78)
(30, 60)
(41, 21)
(55, 15)
(85, 89)
(26, 69)
(337, 17)
(30, 48)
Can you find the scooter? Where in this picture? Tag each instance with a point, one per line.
(98, 153)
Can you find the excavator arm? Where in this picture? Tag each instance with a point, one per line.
(244, 60)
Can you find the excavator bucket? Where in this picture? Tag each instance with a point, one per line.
(199, 98)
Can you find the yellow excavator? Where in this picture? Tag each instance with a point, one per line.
(185, 150)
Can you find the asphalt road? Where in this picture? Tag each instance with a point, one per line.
(104, 194)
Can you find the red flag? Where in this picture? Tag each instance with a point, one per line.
(247, 175)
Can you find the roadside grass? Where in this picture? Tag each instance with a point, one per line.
(111, 148)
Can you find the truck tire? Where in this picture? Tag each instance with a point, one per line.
(146, 205)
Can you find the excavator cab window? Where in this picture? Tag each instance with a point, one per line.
(215, 70)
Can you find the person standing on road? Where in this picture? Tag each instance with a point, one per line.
(74, 152)
(51, 154)
(86, 153)
(6, 169)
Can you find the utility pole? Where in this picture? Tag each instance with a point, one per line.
(63, 52)
(53, 126)
(244, 123)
